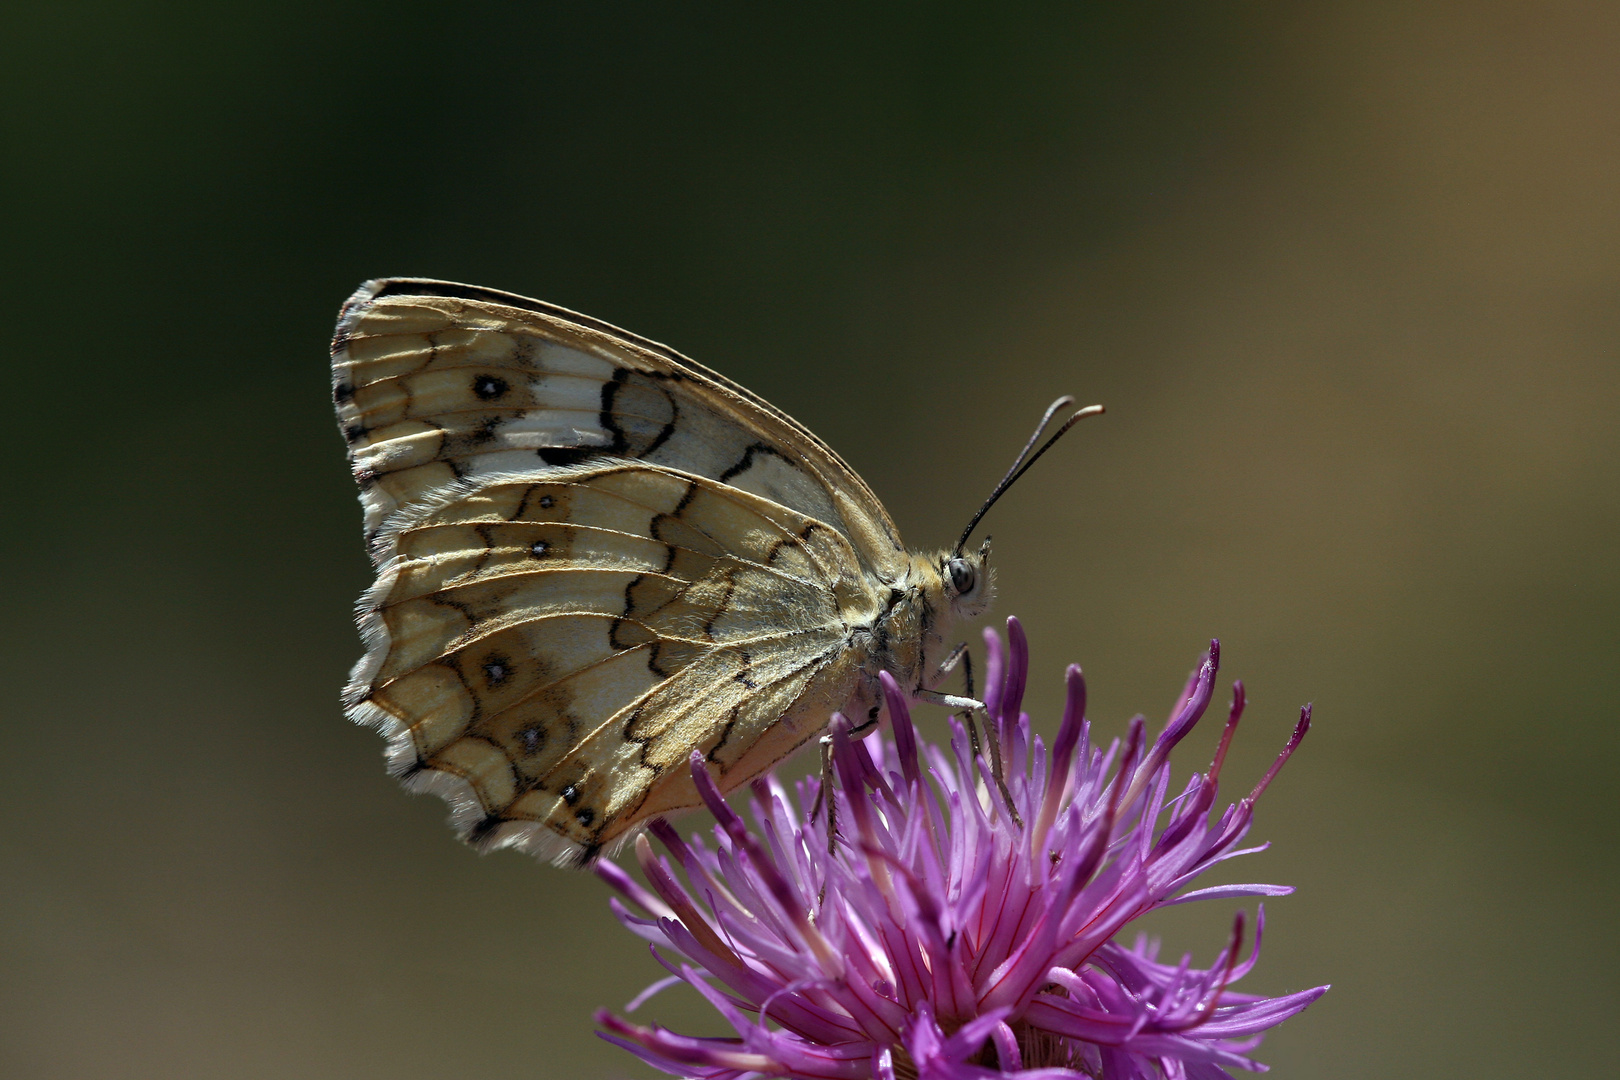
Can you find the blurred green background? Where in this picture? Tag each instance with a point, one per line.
(1345, 275)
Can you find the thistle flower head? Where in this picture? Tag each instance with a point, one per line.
(956, 929)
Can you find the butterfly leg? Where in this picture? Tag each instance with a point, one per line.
(961, 655)
(823, 794)
(951, 701)
(948, 665)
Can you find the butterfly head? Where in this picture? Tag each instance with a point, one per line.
(969, 583)
(940, 588)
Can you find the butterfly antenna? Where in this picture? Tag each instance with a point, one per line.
(1025, 459)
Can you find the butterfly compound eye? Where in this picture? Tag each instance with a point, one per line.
(962, 575)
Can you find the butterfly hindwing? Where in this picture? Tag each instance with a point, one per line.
(545, 651)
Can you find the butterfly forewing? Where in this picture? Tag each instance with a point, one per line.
(436, 382)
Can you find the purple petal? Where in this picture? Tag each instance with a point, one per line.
(994, 671)
(933, 929)
(1007, 1055)
(905, 736)
(1017, 672)
(616, 878)
(1298, 737)
(1227, 892)
(656, 988)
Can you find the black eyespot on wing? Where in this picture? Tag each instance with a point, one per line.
(538, 549)
(497, 669)
(570, 794)
(488, 387)
(585, 816)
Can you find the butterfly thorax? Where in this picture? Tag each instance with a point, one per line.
(910, 636)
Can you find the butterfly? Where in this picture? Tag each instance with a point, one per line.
(595, 556)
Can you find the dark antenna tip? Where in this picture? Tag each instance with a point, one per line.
(1025, 459)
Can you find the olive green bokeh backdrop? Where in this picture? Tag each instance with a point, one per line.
(1344, 274)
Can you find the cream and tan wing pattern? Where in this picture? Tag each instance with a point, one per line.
(436, 382)
(595, 556)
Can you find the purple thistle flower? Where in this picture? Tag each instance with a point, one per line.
(947, 936)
